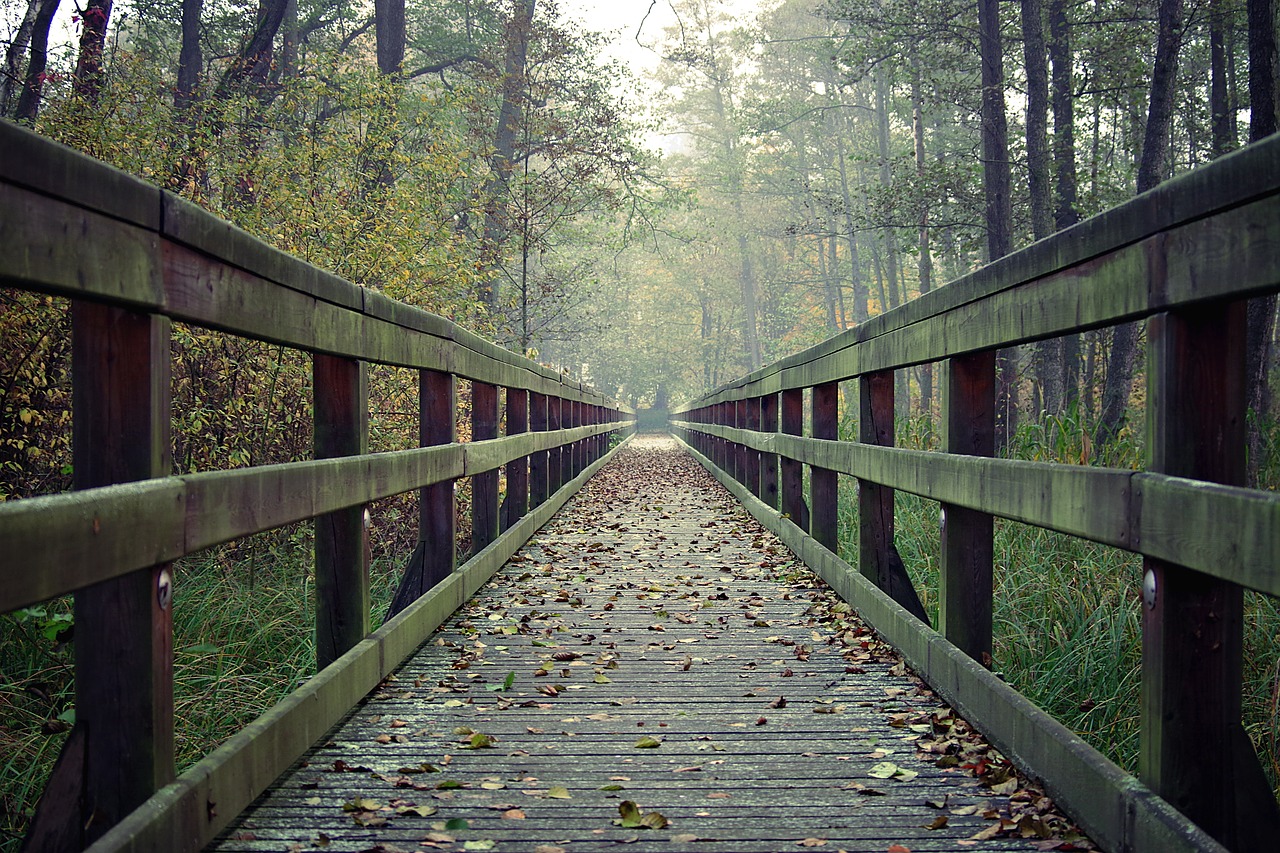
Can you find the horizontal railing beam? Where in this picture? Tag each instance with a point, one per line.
(1224, 531)
(71, 540)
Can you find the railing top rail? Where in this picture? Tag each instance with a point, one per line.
(1093, 274)
(74, 226)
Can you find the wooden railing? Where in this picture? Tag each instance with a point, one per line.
(1184, 257)
(133, 259)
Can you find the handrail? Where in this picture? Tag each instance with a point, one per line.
(1185, 257)
(133, 259)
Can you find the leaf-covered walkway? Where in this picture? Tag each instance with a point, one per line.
(653, 671)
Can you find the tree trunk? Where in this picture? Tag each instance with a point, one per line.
(190, 59)
(1048, 354)
(252, 66)
(1151, 169)
(13, 57)
(33, 85)
(510, 117)
(93, 38)
(861, 290)
(1219, 101)
(999, 213)
(388, 22)
(1262, 310)
(924, 266)
(1065, 212)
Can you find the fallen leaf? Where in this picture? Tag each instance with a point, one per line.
(559, 792)
(648, 742)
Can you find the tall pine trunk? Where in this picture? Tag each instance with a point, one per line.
(1262, 311)
(1151, 170)
(1065, 209)
(995, 184)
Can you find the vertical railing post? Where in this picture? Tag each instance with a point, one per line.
(792, 470)
(751, 475)
(555, 470)
(568, 420)
(969, 419)
(824, 507)
(484, 485)
(769, 461)
(878, 558)
(435, 556)
(342, 558)
(121, 750)
(538, 461)
(1192, 623)
(875, 502)
(517, 469)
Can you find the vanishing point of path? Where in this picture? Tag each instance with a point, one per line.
(653, 671)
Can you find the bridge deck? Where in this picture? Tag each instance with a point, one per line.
(665, 651)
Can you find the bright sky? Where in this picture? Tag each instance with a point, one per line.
(626, 17)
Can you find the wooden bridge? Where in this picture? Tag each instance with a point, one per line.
(681, 652)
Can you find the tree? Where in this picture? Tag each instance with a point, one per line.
(1151, 171)
(28, 106)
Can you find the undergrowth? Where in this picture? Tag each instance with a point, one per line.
(1067, 621)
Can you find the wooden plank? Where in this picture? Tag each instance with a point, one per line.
(1196, 404)
(539, 463)
(342, 556)
(517, 503)
(752, 456)
(769, 461)
(1117, 811)
(966, 584)
(878, 557)
(792, 471)
(124, 626)
(484, 482)
(36, 162)
(111, 260)
(188, 813)
(824, 504)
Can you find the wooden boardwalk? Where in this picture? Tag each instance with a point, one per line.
(652, 645)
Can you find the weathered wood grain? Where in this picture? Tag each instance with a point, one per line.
(185, 815)
(1118, 811)
(735, 768)
(1196, 405)
(341, 413)
(71, 540)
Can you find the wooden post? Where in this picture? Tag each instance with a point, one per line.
(969, 427)
(484, 485)
(538, 461)
(751, 473)
(1194, 751)
(792, 470)
(567, 421)
(435, 556)
(878, 558)
(121, 750)
(824, 508)
(769, 461)
(555, 472)
(517, 469)
(342, 562)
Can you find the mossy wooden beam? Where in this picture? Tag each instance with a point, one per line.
(75, 539)
(1228, 532)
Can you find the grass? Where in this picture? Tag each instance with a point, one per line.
(1067, 618)
(243, 639)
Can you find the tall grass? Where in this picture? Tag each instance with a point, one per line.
(1067, 620)
(243, 639)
